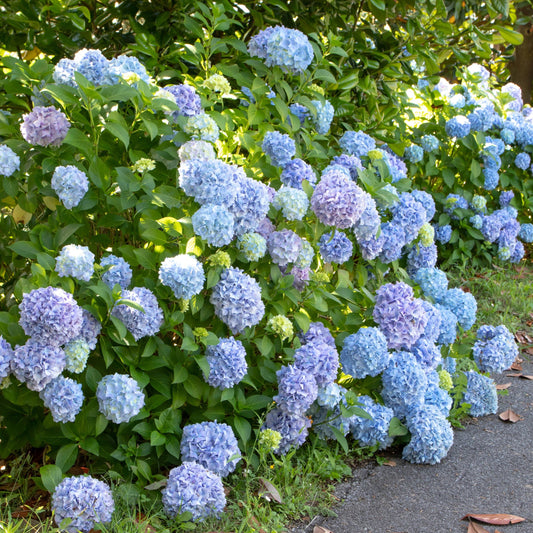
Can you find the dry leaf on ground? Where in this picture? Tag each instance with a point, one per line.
(523, 337)
(496, 519)
(516, 366)
(523, 376)
(476, 528)
(510, 416)
(270, 493)
(503, 386)
(320, 529)
(389, 463)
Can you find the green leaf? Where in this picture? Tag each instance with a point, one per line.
(66, 456)
(396, 428)
(80, 141)
(188, 345)
(243, 427)
(51, 476)
(157, 439)
(380, 4)
(117, 126)
(25, 249)
(64, 233)
(511, 36)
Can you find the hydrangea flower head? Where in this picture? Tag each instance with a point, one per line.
(432, 330)
(443, 234)
(421, 256)
(526, 232)
(429, 143)
(202, 126)
(92, 65)
(481, 394)
(6, 356)
(64, 397)
(214, 224)
(119, 272)
(297, 389)
(432, 281)
(427, 354)
(76, 352)
(317, 332)
(372, 431)
(357, 143)
(9, 161)
(351, 162)
(284, 246)
(90, 329)
(70, 185)
(218, 84)
(293, 428)
(237, 300)
(330, 395)
(319, 360)
(292, 202)
(184, 274)
(324, 116)
(122, 66)
(83, 499)
(212, 445)
(119, 397)
(201, 150)
(75, 261)
(295, 172)
(281, 326)
(365, 353)
(462, 304)
(269, 440)
(495, 349)
(227, 363)
(410, 215)
(335, 248)
(448, 326)
(252, 245)
(393, 240)
(279, 147)
(191, 488)
(523, 160)
(414, 153)
(458, 127)
(369, 224)
(187, 100)
(44, 126)
(140, 323)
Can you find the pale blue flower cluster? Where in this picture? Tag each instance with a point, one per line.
(330, 395)
(123, 66)
(481, 394)
(324, 115)
(44, 126)
(187, 100)
(293, 428)
(365, 353)
(252, 245)
(478, 203)
(140, 323)
(448, 326)
(84, 500)
(212, 445)
(76, 352)
(462, 304)
(335, 248)
(250, 206)
(70, 185)
(202, 126)
(375, 430)
(432, 330)
(279, 147)
(410, 215)
(414, 153)
(318, 359)
(458, 127)
(437, 396)
(214, 224)
(526, 232)
(184, 274)
(427, 354)
(495, 349)
(64, 397)
(237, 300)
(400, 316)
(351, 162)
(305, 257)
(9, 161)
(284, 247)
(119, 397)
(50, 315)
(296, 171)
(443, 234)
(317, 332)
(191, 488)
(429, 143)
(523, 161)
(515, 92)
(395, 165)
(292, 202)
(227, 363)
(119, 272)
(91, 64)
(432, 281)
(393, 240)
(283, 47)
(427, 202)
(196, 150)
(75, 261)
(357, 143)
(297, 389)
(6, 356)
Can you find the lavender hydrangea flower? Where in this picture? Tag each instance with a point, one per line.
(50, 316)
(184, 274)
(292, 202)
(297, 389)
(203, 127)
(6, 356)
(214, 223)
(458, 127)
(351, 162)
(295, 172)
(70, 185)
(37, 364)
(481, 394)
(335, 248)
(375, 430)
(318, 359)
(227, 363)
(119, 397)
(427, 202)
(119, 274)
(432, 281)
(284, 246)
(201, 150)
(421, 256)
(324, 115)
(462, 304)
(237, 300)
(357, 143)
(443, 234)
(75, 261)
(319, 333)
(429, 143)
(84, 500)
(187, 100)
(393, 240)
(410, 215)
(90, 329)
(515, 92)
(495, 349)
(9, 161)
(44, 126)
(293, 428)
(212, 445)
(64, 397)
(76, 353)
(369, 224)
(432, 331)
(518, 253)
(365, 353)
(301, 277)
(191, 488)
(505, 198)
(279, 147)
(427, 354)
(139, 323)
(400, 316)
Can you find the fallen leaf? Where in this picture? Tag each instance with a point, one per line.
(529, 351)
(516, 366)
(389, 463)
(156, 485)
(524, 376)
(270, 493)
(503, 386)
(523, 337)
(320, 529)
(498, 519)
(510, 416)
(476, 528)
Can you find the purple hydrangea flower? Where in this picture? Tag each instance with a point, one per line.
(6, 356)
(427, 202)
(9, 161)
(336, 248)
(410, 215)
(318, 359)
(295, 172)
(227, 363)
(75, 261)
(119, 272)
(119, 397)
(64, 397)
(372, 247)
(357, 143)
(187, 100)
(495, 349)
(284, 246)
(90, 329)
(317, 332)
(297, 389)
(301, 277)
(70, 185)
(481, 394)
(351, 162)
(184, 274)
(365, 353)
(293, 428)
(279, 147)
(375, 430)
(44, 126)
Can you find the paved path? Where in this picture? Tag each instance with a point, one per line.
(489, 469)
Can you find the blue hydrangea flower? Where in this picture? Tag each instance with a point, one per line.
(318, 333)
(279, 147)
(196, 150)
(214, 223)
(518, 253)
(372, 247)
(351, 162)
(396, 166)
(357, 143)
(365, 353)
(237, 300)
(326, 420)
(482, 117)
(44, 126)
(90, 329)
(119, 397)
(429, 143)
(338, 201)
(330, 395)
(481, 394)
(335, 248)
(431, 436)
(64, 397)
(457, 100)
(495, 349)
(372, 431)
(124, 65)
(437, 396)
(252, 245)
(400, 316)
(319, 360)
(70, 185)
(526, 232)
(37, 364)
(449, 364)
(448, 326)
(507, 135)
(458, 127)
(410, 215)
(427, 202)
(227, 363)
(188, 102)
(427, 354)
(84, 500)
(50, 316)
(393, 240)
(453, 202)
(92, 65)
(6, 356)
(479, 204)
(369, 223)
(76, 352)
(75, 261)
(504, 253)
(64, 72)
(432, 331)
(432, 281)
(305, 257)
(140, 323)
(293, 428)
(462, 304)
(516, 93)
(476, 221)
(300, 111)
(191, 488)
(414, 153)
(203, 127)
(324, 116)
(292, 202)
(212, 445)
(119, 272)
(284, 246)
(9, 161)
(443, 234)
(505, 198)
(283, 47)
(295, 172)
(421, 256)
(184, 274)
(297, 389)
